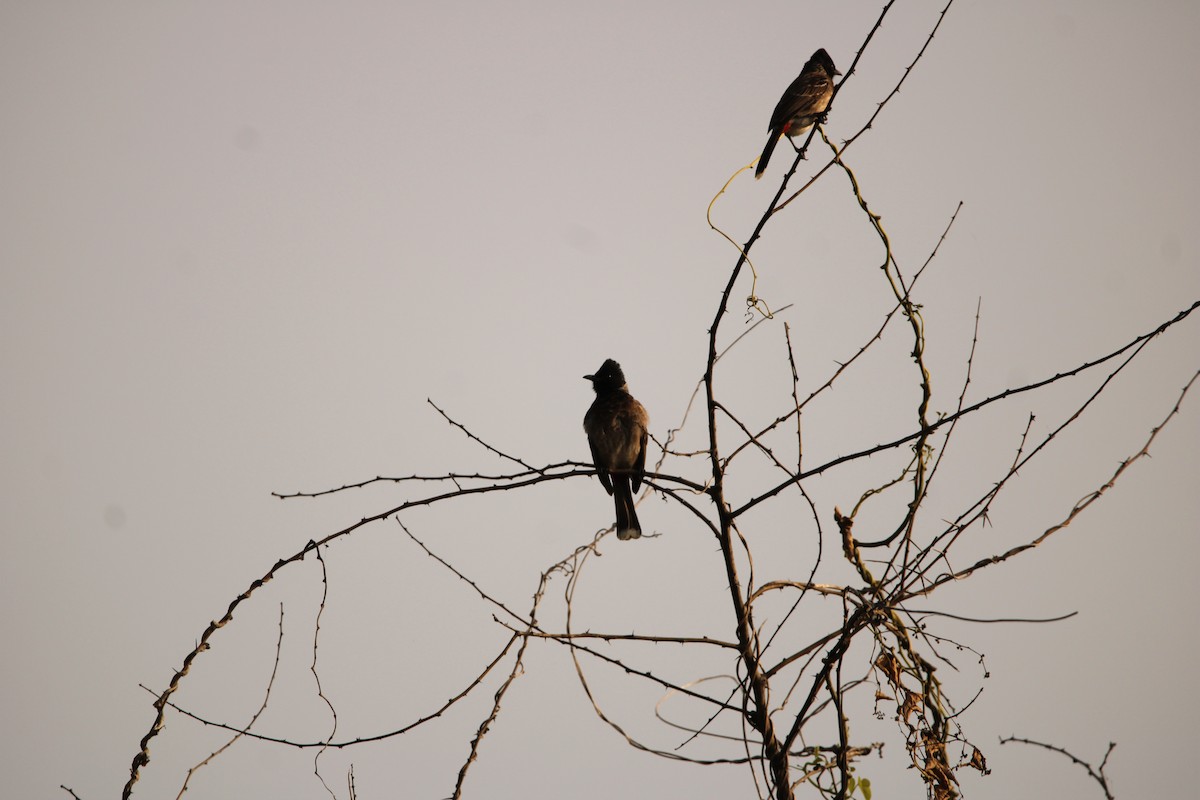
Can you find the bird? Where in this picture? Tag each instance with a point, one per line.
(804, 103)
(617, 428)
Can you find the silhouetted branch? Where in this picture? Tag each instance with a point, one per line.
(361, 739)
(317, 677)
(1075, 511)
(1096, 773)
(475, 438)
(971, 409)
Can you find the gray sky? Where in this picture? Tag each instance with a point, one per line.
(243, 243)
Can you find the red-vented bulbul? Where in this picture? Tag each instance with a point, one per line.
(617, 429)
(804, 103)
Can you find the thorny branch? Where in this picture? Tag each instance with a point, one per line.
(1095, 773)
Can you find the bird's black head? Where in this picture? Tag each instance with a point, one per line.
(608, 378)
(822, 58)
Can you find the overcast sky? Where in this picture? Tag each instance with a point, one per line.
(242, 243)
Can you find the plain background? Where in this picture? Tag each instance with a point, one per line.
(242, 243)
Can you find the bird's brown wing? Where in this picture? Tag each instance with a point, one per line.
(639, 466)
(601, 473)
(808, 94)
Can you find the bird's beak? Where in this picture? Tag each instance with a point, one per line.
(589, 377)
(835, 71)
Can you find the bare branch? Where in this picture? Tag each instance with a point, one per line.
(1095, 773)
(475, 438)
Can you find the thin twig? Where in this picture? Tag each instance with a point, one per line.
(1096, 774)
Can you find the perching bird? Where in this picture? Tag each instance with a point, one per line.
(804, 103)
(617, 429)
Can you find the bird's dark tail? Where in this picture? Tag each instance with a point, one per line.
(766, 153)
(628, 526)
